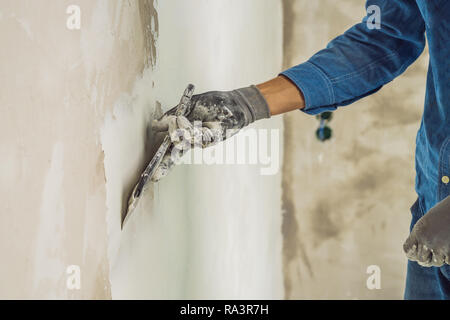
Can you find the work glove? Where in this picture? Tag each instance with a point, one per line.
(212, 117)
(429, 241)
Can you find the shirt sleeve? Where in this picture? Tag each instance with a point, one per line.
(359, 62)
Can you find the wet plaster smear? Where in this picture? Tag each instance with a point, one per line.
(56, 85)
(74, 136)
(206, 231)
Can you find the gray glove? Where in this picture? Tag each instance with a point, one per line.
(213, 117)
(429, 241)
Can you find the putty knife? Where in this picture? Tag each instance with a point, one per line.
(182, 110)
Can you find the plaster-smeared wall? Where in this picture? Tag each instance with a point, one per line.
(346, 202)
(55, 86)
(204, 231)
(75, 106)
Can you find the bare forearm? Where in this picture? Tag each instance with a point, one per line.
(281, 95)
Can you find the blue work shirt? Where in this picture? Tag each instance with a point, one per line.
(363, 59)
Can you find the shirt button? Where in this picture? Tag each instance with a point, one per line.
(445, 179)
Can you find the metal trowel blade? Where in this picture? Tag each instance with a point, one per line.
(146, 176)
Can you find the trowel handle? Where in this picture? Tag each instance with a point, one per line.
(182, 109)
(185, 102)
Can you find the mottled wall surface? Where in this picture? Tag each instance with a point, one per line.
(206, 231)
(346, 202)
(75, 108)
(55, 86)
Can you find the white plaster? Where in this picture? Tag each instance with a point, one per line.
(49, 258)
(204, 231)
(97, 39)
(24, 24)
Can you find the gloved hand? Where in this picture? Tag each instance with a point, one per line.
(429, 241)
(213, 117)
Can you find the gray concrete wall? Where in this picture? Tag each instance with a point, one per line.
(346, 202)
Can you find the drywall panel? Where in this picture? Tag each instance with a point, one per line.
(205, 231)
(75, 106)
(55, 85)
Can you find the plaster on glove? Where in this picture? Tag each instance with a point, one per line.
(214, 117)
(429, 241)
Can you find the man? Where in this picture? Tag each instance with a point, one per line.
(354, 65)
